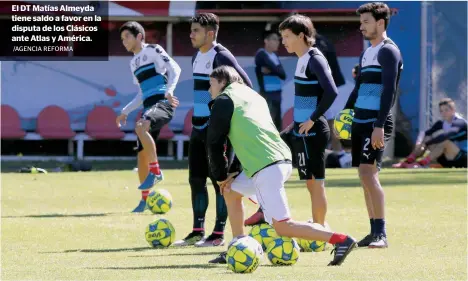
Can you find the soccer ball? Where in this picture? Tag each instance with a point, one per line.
(263, 233)
(160, 234)
(244, 255)
(159, 201)
(283, 251)
(343, 123)
(312, 245)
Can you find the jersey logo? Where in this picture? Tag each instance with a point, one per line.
(367, 155)
(159, 51)
(137, 62)
(166, 59)
(375, 57)
(145, 57)
(208, 64)
(304, 172)
(303, 69)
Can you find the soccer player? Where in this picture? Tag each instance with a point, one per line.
(242, 116)
(156, 75)
(210, 54)
(315, 92)
(373, 96)
(446, 141)
(270, 72)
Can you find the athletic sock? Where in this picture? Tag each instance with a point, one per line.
(380, 227)
(372, 226)
(154, 168)
(337, 238)
(144, 194)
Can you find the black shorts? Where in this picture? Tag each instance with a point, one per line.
(460, 161)
(362, 150)
(159, 115)
(310, 152)
(198, 157)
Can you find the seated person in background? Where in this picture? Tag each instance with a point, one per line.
(445, 141)
(340, 159)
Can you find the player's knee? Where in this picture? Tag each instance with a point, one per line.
(282, 228)
(142, 126)
(366, 171)
(447, 143)
(232, 196)
(197, 183)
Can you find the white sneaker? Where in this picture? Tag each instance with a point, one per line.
(210, 241)
(190, 240)
(379, 241)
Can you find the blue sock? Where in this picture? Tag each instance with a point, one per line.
(380, 226)
(372, 226)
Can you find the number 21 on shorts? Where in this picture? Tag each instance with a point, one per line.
(301, 159)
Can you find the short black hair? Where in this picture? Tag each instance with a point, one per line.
(133, 27)
(448, 102)
(299, 23)
(207, 20)
(379, 11)
(226, 74)
(268, 33)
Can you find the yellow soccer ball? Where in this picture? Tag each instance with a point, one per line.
(283, 251)
(159, 201)
(343, 123)
(263, 233)
(160, 234)
(244, 255)
(312, 245)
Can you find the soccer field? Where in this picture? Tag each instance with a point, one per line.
(78, 226)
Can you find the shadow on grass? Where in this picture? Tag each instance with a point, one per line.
(175, 266)
(117, 165)
(179, 254)
(115, 250)
(60, 216)
(398, 181)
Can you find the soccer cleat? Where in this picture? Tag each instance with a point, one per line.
(342, 250)
(378, 242)
(191, 239)
(221, 259)
(141, 207)
(417, 166)
(151, 180)
(365, 241)
(213, 240)
(255, 219)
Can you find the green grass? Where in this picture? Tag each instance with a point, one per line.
(78, 226)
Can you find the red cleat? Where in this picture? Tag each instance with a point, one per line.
(403, 164)
(255, 219)
(417, 166)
